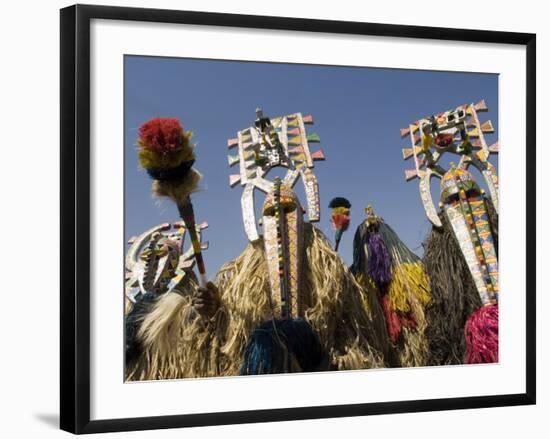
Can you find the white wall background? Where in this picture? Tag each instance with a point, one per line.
(29, 178)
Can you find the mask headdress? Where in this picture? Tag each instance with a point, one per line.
(278, 142)
(270, 143)
(457, 131)
(157, 260)
(464, 207)
(156, 263)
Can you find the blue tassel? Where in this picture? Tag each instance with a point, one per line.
(282, 346)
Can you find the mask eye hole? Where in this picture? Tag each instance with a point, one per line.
(287, 207)
(471, 193)
(269, 211)
(453, 198)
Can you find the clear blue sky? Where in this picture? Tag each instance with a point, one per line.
(357, 112)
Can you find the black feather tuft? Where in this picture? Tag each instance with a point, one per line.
(282, 346)
(171, 174)
(339, 202)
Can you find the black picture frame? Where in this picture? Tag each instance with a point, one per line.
(75, 217)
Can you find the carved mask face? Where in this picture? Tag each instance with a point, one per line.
(464, 206)
(283, 239)
(160, 260)
(155, 262)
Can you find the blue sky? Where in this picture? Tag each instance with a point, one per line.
(357, 111)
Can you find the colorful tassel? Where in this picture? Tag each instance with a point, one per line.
(408, 279)
(409, 274)
(340, 217)
(393, 322)
(481, 333)
(381, 257)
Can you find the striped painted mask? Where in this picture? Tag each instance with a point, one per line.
(465, 207)
(282, 221)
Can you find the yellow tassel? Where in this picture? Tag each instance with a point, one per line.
(409, 279)
(373, 306)
(427, 141)
(340, 210)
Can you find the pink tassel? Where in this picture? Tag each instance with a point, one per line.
(481, 332)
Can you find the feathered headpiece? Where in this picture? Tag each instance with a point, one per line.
(166, 153)
(340, 217)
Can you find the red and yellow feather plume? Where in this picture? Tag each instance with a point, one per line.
(340, 217)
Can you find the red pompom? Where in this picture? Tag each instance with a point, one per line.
(340, 221)
(443, 140)
(161, 134)
(481, 332)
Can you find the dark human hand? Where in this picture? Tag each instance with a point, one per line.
(207, 300)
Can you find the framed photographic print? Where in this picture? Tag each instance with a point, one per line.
(268, 218)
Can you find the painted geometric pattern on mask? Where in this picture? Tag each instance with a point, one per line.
(467, 210)
(294, 235)
(283, 246)
(457, 131)
(462, 233)
(272, 260)
(470, 222)
(483, 228)
(275, 142)
(156, 263)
